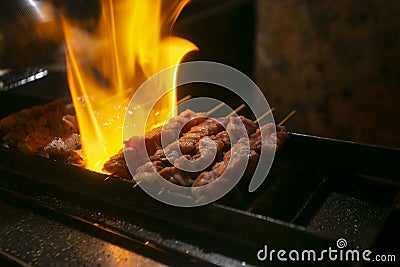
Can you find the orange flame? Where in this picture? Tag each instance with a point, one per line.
(131, 43)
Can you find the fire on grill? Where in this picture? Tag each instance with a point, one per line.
(51, 131)
(104, 69)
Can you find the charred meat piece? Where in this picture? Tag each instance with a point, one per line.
(238, 153)
(271, 133)
(151, 167)
(177, 176)
(187, 143)
(50, 131)
(116, 165)
(235, 127)
(209, 150)
(63, 148)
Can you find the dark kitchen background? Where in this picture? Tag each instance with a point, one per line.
(335, 62)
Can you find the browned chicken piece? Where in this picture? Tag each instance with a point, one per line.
(176, 176)
(271, 132)
(187, 143)
(50, 131)
(116, 165)
(220, 167)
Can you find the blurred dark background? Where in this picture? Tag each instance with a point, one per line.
(336, 62)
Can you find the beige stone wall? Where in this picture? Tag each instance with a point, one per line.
(336, 62)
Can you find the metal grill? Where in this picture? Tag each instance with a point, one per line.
(317, 191)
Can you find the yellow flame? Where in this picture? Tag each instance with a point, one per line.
(104, 68)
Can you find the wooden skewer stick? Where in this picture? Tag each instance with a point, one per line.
(162, 190)
(264, 115)
(136, 185)
(239, 108)
(215, 109)
(200, 199)
(288, 117)
(108, 177)
(242, 106)
(183, 99)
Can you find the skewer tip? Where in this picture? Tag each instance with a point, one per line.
(215, 109)
(136, 185)
(108, 177)
(162, 190)
(200, 199)
(264, 115)
(236, 110)
(288, 117)
(183, 99)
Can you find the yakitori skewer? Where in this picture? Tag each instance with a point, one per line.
(211, 111)
(262, 198)
(288, 117)
(239, 108)
(183, 99)
(264, 115)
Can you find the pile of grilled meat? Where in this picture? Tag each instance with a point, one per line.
(51, 131)
(195, 130)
